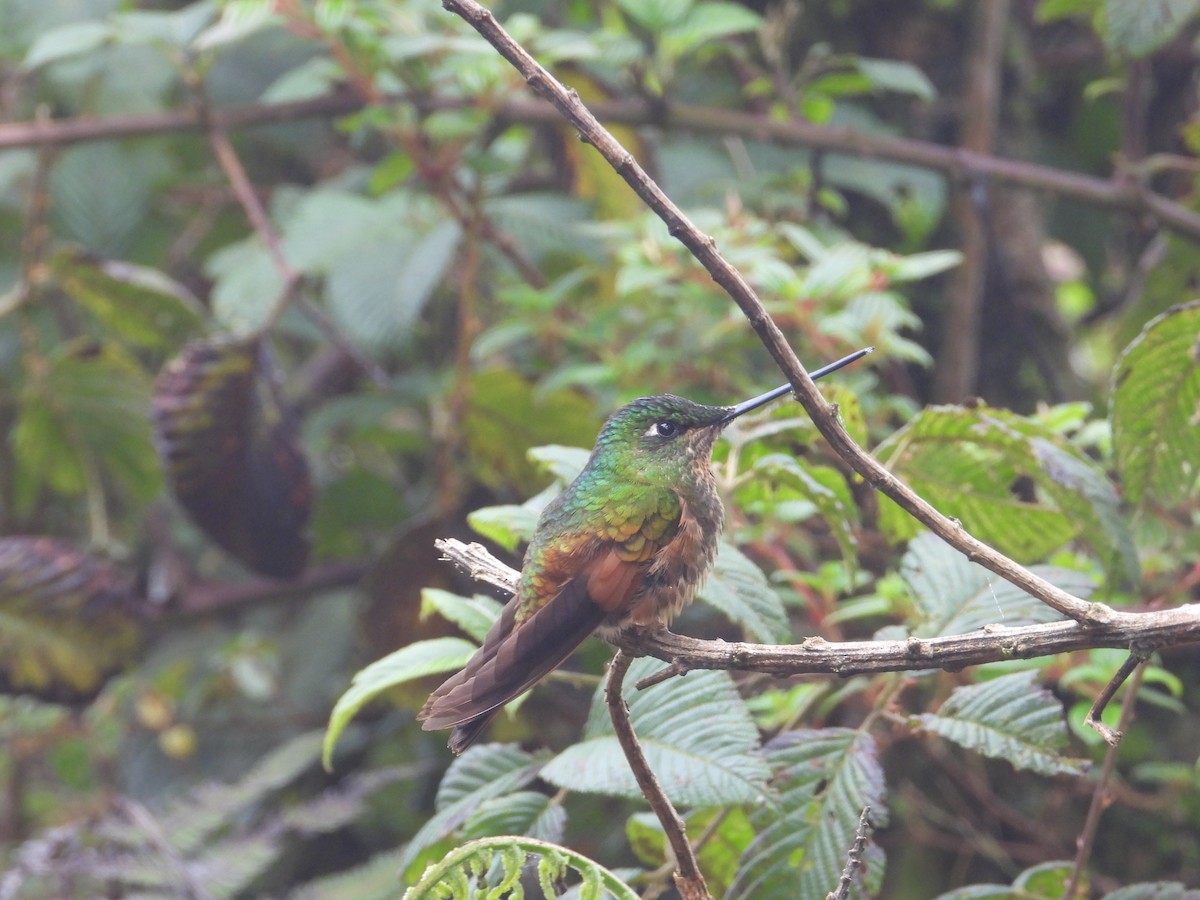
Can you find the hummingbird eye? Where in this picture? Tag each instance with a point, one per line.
(663, 430)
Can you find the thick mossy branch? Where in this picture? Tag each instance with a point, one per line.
(1143, 631)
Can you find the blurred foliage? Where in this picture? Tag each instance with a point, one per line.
(466, 290)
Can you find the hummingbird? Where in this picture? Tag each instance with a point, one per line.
(624, 546)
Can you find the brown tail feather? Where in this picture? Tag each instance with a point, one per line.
(512, 659)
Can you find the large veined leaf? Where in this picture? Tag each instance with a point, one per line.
(137, 304)
(82, 425)
(823, 779)
(1011, 483)
(406, 664)
(1011, 718)
(525, 812)
(485, 771)
(822, 486)
(232, 453)
(1156, 408)
(738, 589)
(67, 620)
(955, 595)
(696, 734)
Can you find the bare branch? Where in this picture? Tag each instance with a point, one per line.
(704, 248)
(816, 656)
(688, 879)
(1103, 795)
(853, 856)
(1092, 719)
(1126, 190)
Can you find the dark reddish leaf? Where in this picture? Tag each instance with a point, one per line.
(233, 459)
(67, 620)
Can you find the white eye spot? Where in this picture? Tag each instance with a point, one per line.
(662, 430)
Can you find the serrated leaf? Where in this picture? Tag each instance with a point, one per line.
(406, 664)
(824, 487)
(1011, 718)
(474, 615)
(823, 779)
(696, 733)
(378, 288)
(738, 589)
(232, 453)
(137, 304)
(1010, 482)
(483, 772)
(525, 812)
(67, 620)
(1156, 408)
(82, 417)
(103, 214)
(1139, 28)
(955, 595)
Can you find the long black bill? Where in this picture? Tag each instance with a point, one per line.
(763, 399)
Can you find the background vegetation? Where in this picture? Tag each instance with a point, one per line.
(294, 288)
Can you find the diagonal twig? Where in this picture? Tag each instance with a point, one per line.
(688, 879)
(704, 248)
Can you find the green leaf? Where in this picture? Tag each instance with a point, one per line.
(378, 288)
(695, 731)
(824, 487)
(526, 812)
(83, 423)
(246, 286)
(476, 868)
(104, 214)
(706, 23)
(67, 620)
(823, 779)
(67, 41)
(404, 665)
(507, 525)
(1010, 718)
(954, 595)
(737, 588)
(656, 15)
(921, 265)
(1156, 408)
(897, 77)
(137, 304)
(1010, 481)
(485, 771)
(1139, 27)
(474, 615)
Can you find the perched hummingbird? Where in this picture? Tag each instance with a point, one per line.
(626, 544)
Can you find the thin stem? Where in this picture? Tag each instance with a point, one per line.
(1100, 799)
(688, 879)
